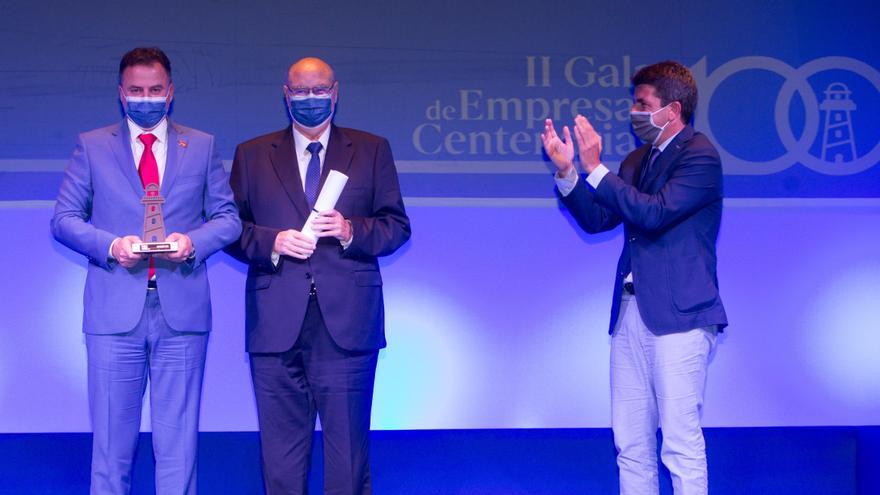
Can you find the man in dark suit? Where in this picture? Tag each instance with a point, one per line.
(315, 317)
(666, 309)
(145, 317)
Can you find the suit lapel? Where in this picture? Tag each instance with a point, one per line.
(667, 158)
(177, 145)
(339, 154)
(121, 146)
(284, 161)
(636, 177)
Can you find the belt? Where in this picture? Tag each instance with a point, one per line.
(151, 284)
(629, 288)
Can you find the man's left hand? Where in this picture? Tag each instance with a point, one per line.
(331, 223)
(184, 248)
(589, 143)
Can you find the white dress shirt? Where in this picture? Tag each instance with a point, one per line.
(303, 156)
(160, 151)
(160, 147)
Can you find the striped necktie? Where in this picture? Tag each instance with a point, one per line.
(313, 173)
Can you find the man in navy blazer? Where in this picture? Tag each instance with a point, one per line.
(315, 317)
(666, 308)
(145, 318)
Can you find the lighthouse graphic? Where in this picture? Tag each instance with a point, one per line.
(838, 142)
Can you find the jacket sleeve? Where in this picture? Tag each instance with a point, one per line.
(590, 215)
(70, 224)
(695, 181)
(256, 242)
(388, 227)
(222, 225)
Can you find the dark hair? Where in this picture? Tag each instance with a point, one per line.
(144, 56)
(673, 82)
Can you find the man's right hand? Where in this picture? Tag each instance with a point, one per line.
(560, 151)
(121, 251)
(294, 243)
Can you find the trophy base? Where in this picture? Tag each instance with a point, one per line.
(154, 247)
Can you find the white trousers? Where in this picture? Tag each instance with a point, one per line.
(658, 379)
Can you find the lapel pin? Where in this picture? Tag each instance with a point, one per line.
(181, 143)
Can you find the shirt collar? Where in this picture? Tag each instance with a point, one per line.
(160, 131)
(662, 146)
(301, 142)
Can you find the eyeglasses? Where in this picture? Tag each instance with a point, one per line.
(317, 91)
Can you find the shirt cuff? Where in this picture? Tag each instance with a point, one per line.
(597, 175)
(275, 259)
(347, 243)
(566, 184)
(110, 251)
(191, 259)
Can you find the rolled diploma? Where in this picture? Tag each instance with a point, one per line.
(327, 198)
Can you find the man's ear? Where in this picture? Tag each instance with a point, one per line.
(675, 106)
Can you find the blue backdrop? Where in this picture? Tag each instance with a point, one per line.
(487, 327)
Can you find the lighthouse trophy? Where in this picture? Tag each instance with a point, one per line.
(154, 224)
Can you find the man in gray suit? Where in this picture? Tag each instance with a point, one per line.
(145, 316)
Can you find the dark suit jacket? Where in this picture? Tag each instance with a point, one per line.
(268, 190)
(670, 230)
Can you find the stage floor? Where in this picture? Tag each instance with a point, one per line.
(778, 461)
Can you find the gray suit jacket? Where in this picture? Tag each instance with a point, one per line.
(100, 199)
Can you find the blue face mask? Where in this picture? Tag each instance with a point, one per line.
(146, 111)
(311, 111)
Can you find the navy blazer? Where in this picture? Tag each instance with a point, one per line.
(670, 230)
(268, 191)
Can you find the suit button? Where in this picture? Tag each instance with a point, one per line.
(308, 275)
(632, 239)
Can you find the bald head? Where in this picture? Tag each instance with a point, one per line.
(310, 81)
(310, 71)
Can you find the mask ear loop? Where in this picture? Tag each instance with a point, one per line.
(168, 95)
(664, 126)
(665, 107)
(672, 118)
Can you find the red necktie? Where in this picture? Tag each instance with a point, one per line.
(149, 173)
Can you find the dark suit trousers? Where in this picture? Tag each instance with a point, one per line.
(315, 376)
